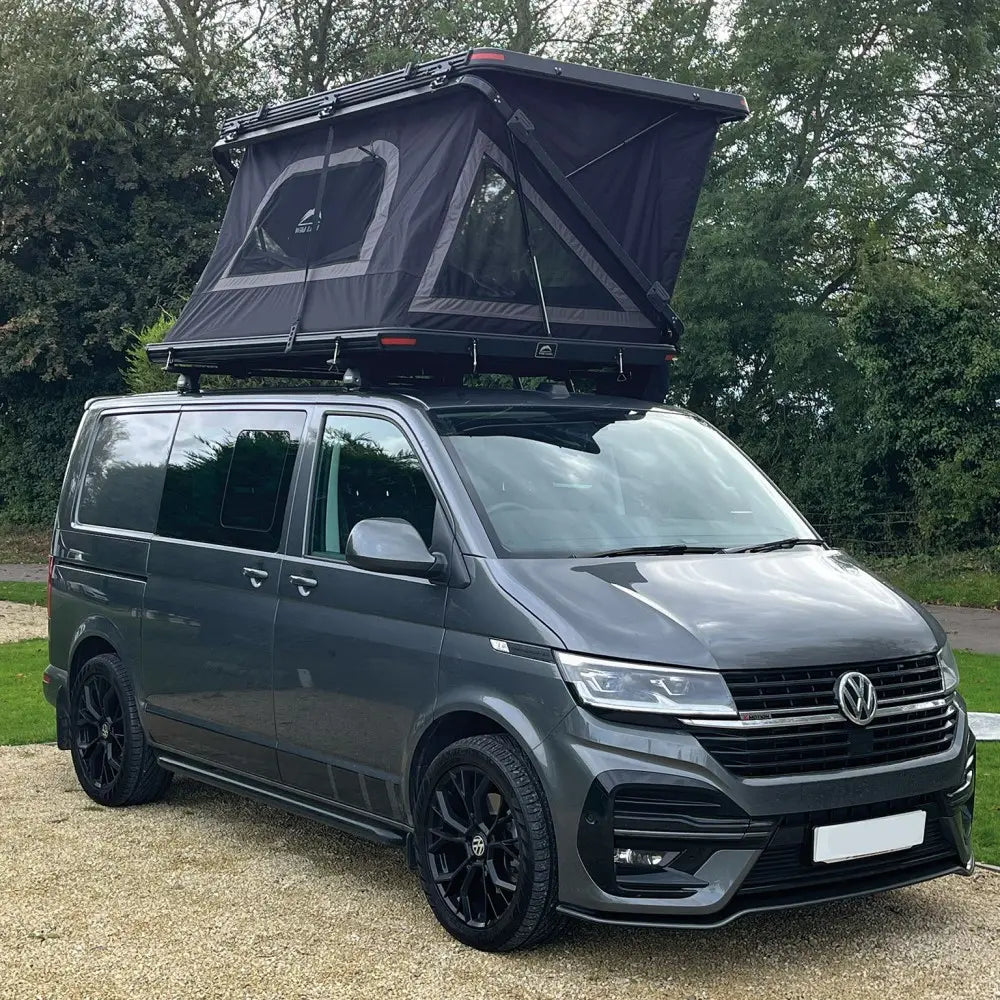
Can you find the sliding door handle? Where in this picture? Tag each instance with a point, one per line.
(256, 576)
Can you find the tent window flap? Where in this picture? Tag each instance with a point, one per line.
(480, 265)
(488, 258)
(280, 239)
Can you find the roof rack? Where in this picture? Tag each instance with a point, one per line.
(417, 78)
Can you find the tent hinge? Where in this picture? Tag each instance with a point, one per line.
(520, 124)
(660, 298)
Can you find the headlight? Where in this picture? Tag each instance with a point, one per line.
(949, 667)
(629, 687)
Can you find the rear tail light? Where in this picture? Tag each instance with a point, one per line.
(48, 590)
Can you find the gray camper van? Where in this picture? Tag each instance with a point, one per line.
(571, 650)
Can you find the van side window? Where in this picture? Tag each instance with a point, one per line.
(228, 477)
(124, 478)
(367, 469)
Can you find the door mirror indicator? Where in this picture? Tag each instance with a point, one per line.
(392, 545)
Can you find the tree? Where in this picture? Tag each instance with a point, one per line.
(874, 145)
(929, 350)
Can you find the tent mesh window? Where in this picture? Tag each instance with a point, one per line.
(488, 259)
(280, 239)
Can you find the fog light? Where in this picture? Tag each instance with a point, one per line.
(639, 859)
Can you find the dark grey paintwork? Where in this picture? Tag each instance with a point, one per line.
(800, 607)
(322, 699)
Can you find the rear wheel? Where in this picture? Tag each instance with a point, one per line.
(485, 846)
(114, 764)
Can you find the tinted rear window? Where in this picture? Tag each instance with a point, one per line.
(124, 478)
(228, 477)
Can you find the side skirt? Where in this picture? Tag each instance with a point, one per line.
(361, 824)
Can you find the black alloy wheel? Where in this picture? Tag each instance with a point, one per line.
(485, 846)
(473, 849)
(114, 763)
(100, 730)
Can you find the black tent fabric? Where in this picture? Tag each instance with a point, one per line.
(427, 211)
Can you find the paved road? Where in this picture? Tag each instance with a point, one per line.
(23, 572)
(206, 895)
(970, 628)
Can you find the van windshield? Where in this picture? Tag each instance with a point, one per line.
(569, 482)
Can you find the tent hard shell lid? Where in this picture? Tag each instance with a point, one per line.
(488, 211)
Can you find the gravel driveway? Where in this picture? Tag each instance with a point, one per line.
(22, 621)
(206, 895)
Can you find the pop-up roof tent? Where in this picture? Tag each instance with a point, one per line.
(489, 211)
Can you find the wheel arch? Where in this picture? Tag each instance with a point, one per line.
(459, 720)
(89, 645)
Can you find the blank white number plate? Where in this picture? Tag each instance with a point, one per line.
(869, 836)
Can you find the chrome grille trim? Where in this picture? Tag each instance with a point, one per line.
(806, 719)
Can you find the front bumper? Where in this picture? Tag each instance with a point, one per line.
(733, 845)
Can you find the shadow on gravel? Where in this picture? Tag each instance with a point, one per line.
(816, 938)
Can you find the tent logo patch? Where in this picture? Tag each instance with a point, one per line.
(305, 224)
(546, 350)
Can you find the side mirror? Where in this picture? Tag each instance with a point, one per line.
(392, 545)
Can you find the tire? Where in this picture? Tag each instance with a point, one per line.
(497, 893)
(113, 762)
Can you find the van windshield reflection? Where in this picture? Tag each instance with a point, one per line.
(571, 482)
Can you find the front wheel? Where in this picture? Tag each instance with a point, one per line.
(114, 764)
(485, 846)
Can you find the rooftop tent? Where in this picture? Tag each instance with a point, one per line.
(503, 211)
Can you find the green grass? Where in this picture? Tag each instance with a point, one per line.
(968, 579)
(986, 828)
(980, 680)
(981, 689)
(25, 715)
(24, 545)
(23, 593)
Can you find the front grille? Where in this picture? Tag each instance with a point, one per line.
(786, 870)
(831, 746)
(812, 688)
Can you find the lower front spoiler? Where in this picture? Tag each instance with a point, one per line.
(793, 900)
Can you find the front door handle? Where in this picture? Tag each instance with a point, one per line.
(304, 583)
(257, 576)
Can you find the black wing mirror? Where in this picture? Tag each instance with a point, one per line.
(392, 545)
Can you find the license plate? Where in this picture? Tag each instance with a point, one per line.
(868, 837)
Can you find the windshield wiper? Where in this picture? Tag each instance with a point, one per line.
(653, 550)
(781, 543)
